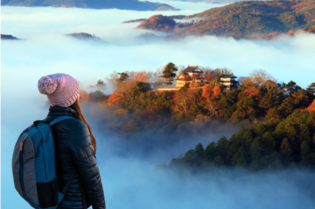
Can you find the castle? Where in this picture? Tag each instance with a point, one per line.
(228, 81)
(192, 75)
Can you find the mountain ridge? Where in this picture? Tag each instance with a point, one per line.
(252, 17)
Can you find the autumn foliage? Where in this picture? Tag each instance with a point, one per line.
(257, 99)
(251, 19)
(84, 96)
(216, 91)
(206, 93)
(116, 99)
(141, 76)
(159, 23)
(253, 92)
(311, 107)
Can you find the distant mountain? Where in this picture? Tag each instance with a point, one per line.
(92, 4)
(84, 36)
(252, 17)
(159, 23)
(8, 37)
(149, 37)
(136, 20)
(162, 23)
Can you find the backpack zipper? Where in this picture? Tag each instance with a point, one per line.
(21, 167)
(44, 163)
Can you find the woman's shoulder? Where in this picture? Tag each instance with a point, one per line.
(78, 134)
(73, 124)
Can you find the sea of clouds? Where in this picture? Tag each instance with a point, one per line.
(133, 182)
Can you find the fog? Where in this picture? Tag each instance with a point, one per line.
(43, 29)
(133, 181)
(191, 4)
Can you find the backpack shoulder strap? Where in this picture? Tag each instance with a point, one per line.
(65, 189)
(84, 198)
(67, 186)
(59, 119)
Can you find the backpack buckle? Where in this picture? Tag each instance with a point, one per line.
(21, 146)
(30, 126)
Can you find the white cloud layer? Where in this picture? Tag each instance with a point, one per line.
(128, 182)
(45, 49)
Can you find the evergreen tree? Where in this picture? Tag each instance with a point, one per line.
(255, 165)
(100, 83)
(138, 88)
(97, 96)
(211, 151)
(269, 100)
(168, 73)
(292, 87)
(222, 146)
(304, 133)
(199, 150)
(273, 113)
(311, 88)
(218, 160)
(256, 149)
(123, 77)
(268, 142)
(305, 152)
(286, 107)
(286, 150)
(239, 159)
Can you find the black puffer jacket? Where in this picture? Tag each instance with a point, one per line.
(74, 151)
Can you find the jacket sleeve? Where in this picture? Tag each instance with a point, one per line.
(82, 151)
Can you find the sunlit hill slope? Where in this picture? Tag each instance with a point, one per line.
(252, 17)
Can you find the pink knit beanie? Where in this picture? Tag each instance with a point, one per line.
(61, 89)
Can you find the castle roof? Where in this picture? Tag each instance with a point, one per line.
(192, 69)
(228, 75)
(186, 77)
(183, 77)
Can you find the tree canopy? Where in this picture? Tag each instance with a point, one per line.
(275, 119)
(169, 73)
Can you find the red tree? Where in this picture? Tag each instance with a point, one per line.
(115, 99)
(206, 93)
(84, 96)
(216, 91)
(253, 91)
(311, 107)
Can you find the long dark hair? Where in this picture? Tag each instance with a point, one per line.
(79, 115)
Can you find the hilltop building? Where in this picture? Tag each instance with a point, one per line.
(228, 81)
(191, 75)
(194, 76)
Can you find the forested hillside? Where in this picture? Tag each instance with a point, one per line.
(275, 145)
(162, 23)
(139, 114)
(247, 19)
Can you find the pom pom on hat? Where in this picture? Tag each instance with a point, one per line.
(47, 85)
(61, 89)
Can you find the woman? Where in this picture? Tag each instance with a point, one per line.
(75, 144)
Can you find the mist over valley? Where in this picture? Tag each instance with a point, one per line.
(129, 168)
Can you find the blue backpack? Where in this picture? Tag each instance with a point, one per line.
(33, 166)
